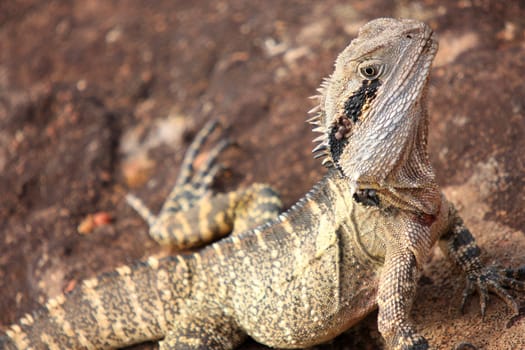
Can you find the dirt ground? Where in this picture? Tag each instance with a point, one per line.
(101, 98)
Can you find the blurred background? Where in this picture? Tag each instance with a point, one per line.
(100, 98)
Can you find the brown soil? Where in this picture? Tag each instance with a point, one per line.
(100, 98)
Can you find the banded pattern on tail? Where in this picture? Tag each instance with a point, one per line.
(119, 308)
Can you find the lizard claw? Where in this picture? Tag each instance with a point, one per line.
(516, 274)
(496, 280)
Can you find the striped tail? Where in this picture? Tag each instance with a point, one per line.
(130, 305)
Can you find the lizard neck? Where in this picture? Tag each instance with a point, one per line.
(411, 185)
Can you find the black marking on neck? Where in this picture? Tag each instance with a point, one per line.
(337, 144)
(355, 103)
(353, 109)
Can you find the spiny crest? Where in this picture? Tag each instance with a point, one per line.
(321, 150)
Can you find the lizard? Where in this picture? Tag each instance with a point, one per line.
(354, 243)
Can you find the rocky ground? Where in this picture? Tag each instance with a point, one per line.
(100, 98)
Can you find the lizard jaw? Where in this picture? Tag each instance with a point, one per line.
(371, 127)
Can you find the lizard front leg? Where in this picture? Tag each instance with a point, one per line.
(396, 292)
(407, 241)
(460, 246)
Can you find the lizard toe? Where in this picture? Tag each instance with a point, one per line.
(518, 273)
(408, 340)
(497, 281)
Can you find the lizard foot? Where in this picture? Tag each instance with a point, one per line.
(496, 280)
(191, 185)
(408, 340)
(191, 200)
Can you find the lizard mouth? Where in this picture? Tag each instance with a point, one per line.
(430, 46)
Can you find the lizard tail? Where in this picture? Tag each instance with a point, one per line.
(130, 305)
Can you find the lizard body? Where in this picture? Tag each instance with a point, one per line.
(354, 243)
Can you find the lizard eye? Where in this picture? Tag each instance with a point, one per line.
(370, 71)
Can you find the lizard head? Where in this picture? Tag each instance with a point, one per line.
(370, 113)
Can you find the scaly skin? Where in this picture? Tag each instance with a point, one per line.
(354, 243)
